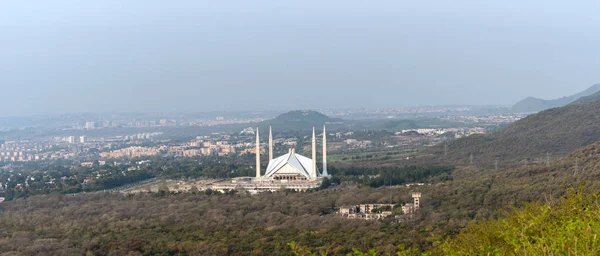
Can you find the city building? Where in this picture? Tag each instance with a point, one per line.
(381, 211)
(90, 125)
(131, 152)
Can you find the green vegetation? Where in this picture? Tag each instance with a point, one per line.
(570, 227)
(386, 176)
(238, 224)
(196, 224)
(299, 120)
(557, 131)
(380, 158)
(64, 177)
(463, 210)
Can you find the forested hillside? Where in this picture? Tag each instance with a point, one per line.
(552, 133)
(481, 195)
(238, 224)
(196, 224)
(569, 227)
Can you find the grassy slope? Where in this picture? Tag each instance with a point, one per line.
(570, 227)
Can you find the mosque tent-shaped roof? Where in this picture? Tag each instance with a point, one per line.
(290, 163)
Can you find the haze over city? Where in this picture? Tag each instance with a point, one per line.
(81, 56)
(384, 127)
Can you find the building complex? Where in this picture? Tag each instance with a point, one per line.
(289, 171)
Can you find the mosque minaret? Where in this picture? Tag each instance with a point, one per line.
(292, 165)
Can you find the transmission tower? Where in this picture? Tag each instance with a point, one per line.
(391, 207)
(471, 160)
(446, 149)
(576, 166)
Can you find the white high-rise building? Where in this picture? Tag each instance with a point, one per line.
(90, 125)
(82, 139)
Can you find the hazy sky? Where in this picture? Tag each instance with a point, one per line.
(144, 55)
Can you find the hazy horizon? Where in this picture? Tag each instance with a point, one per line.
(197, 56)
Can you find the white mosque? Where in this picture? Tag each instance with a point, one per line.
(289, 171)
(292, 166)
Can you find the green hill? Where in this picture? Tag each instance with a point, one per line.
(538, 229)
(547, 226)
(531, 104)
(555, 131)
(473, 195)
(300, 120)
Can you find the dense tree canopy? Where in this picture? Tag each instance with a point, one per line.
(196, 224)
(266, 224)
(570, 227)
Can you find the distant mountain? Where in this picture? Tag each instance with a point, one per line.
(300, 120)
(588, 99)
(556, 131)
(531, 104)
